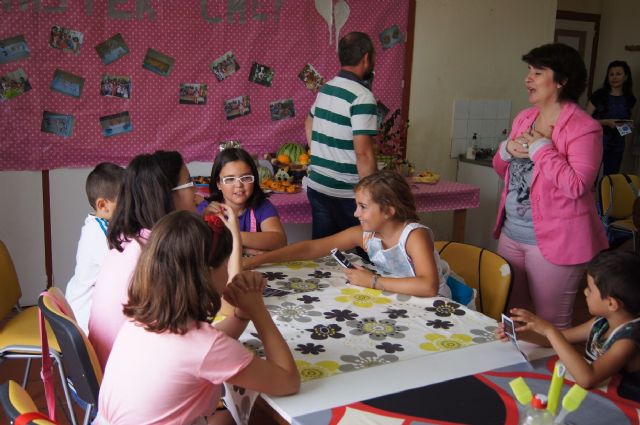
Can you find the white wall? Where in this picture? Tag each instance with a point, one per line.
(467, 50)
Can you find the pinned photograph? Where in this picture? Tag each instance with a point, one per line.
(193, 94)
(282, 109)
(112, 49)
(13, 84)
(158, 63)
(116, 86)
(237, 107)
(113, 125)
(58, 124)
(13, 49)
(67, 83)
(311, 78)
(225, 66)
(261, 74)
(66, 39)
(390, 37)
(381, 112)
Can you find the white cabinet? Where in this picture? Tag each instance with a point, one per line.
(480, 221)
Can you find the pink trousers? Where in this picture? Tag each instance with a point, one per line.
(541, 286)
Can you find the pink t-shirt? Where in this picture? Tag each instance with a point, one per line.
(165, 378)
(110, 293)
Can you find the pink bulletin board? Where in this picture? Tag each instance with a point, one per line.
(285, 35)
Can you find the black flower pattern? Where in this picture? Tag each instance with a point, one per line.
(274, 275)
(310, 348)
(440, 324)
(320, 332)
(296, 284)
(308, 299)
(255, 345)
(445, 308)
(340, 315)
(389, 347)
(320, 274)
(377, 329)
(396, 313)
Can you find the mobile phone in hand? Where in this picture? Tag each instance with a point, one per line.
(341, 258)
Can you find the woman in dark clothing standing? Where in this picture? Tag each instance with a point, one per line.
(609, 105)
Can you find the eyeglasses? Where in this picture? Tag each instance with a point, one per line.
(247, 178)
(184, 186)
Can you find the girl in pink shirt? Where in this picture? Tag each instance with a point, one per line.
(154, 185)
(168, 363)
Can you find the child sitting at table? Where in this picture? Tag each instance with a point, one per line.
(397, 244)
(102, 186)
(612, 336)
(235, 183)
(168, 363)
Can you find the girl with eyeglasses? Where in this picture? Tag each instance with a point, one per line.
(235, 189)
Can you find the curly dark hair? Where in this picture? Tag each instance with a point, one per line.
(568, 68)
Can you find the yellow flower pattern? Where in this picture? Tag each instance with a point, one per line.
(297, 265)
(363, 298)
(439, 342)
(322, 369)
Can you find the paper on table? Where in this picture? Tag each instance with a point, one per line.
(325, 9)
(340, 15)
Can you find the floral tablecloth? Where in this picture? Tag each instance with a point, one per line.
(333, 327)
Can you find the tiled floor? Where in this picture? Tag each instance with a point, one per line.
(14, 369)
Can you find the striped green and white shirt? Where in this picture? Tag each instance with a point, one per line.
(344, 108)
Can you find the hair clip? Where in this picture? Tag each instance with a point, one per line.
(230, 144)
(215, 223)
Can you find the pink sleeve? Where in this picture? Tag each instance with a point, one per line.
(575, 172)
(499, 163)
(226, 357)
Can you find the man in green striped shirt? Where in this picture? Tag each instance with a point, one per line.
(340, 129)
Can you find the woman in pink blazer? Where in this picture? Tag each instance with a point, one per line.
(547, 225)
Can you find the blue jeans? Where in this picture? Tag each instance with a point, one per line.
(330, 215)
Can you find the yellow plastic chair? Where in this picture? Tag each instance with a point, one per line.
(78, 355)
(618, 192)
(20, 335)
(485, 271)
(16, 403)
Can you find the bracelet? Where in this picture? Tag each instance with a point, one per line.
(374, 281)
(242, 319)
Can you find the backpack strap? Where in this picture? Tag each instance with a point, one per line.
(253, 224)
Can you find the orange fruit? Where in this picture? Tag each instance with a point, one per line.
(303, 158)
(284, 159)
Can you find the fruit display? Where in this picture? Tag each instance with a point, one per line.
(426, 177)
(280, 186)
(292, 151)
(264, 173)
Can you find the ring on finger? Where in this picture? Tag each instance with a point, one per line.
(525, 145)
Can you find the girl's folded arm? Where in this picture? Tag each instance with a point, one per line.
(271, 237)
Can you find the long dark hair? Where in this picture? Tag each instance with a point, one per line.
(145, 195)
(627, 87)
(231, 155)
(171, 285)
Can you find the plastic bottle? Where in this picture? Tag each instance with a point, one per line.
(537, 413)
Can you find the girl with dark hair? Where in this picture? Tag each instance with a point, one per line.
(154, 185)
(235, 188)
(547, 223)
(168, 362)
(611, 105)
(397, 244)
